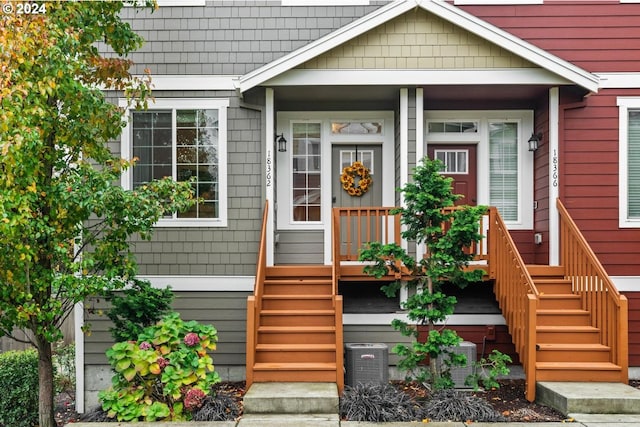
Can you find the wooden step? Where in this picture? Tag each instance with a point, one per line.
(298, 286)
(563, 318)
(294, 372)
(291, 353)
(559, 302)
(296, 334)
(553, 286)
(567, 335)
(296, 271)
(578, 371)
(536, 270)
(297, 302)
(298, 317)
(572, 353)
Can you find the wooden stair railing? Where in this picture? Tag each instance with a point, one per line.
(254, 302)
(599, 296)
(516, 295)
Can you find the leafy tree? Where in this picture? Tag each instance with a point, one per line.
(64, 225)
(446, 234)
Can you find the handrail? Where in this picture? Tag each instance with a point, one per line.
(516, 295)
(254, 302)
(599, 295)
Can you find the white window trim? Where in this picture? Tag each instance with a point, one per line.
(186, 103)
(524, 118)
(624, 104)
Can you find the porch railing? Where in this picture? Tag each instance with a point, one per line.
(254, 302)
(516, 295)
(599, 295)
(353, 228)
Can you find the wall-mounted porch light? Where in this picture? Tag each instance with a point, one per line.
(534, 141)
(282, 143)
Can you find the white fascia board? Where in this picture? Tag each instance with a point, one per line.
(518, 76)
(626, 283)
(194, 82)
(441, 9)
(203, 283)
(325, 44)
(619, 80)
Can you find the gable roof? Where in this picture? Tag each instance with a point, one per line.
(439, 8)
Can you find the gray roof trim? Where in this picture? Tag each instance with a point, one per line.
(439, 8)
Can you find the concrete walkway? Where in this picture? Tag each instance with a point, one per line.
(585, 420)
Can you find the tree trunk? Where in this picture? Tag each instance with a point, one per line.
(45, 378)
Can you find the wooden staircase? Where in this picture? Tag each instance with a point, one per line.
(298, 337)
(568, 346)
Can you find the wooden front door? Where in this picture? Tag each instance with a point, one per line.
(460, 164)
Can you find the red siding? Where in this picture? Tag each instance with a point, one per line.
(598, 36)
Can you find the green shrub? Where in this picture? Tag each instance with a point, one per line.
(164, 375)
(64, 361)
(137, 307)
(19, 384)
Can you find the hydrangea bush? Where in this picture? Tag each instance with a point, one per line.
(164, 375)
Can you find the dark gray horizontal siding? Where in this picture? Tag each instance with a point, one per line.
(227, 37)
(384, 334)
(226, 311)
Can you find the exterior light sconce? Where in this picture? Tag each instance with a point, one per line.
(534, 141)
(282, 143)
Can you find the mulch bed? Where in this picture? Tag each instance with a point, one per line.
(509, 400)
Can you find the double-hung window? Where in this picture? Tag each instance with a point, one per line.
(629, 156)
(184, 139)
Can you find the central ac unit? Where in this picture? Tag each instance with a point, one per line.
(460, 373)
(366, 363)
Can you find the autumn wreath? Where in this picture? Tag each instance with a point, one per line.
(348, 179)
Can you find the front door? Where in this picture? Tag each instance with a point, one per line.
(360, 229)
(343, 156)
(460, 164)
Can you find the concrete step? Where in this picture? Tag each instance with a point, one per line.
(291, 398)
(589, 397)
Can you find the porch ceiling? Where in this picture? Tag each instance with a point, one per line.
(386, 97)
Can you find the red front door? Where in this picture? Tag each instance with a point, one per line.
(460, 164)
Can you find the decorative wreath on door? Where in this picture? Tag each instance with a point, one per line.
(348, 179)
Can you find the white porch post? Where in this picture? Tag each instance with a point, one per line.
(404, 161)
(269, 172)
(420, 147)
(554, 176)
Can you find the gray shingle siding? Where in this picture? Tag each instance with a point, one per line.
(230, 37)
(225, 251)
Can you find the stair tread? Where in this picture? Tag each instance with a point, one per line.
(591, 366)
(321, 366)
(296, 296)
(570, 312)
(572, 346)
(296, 312)
(576, 328)
(558, 296)
(291, 347)
(281, 329)
(551, 280)
(301, 281)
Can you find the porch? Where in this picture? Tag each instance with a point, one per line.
(567, 322)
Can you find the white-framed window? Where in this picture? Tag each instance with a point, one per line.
(306, 177)
(504, 164)
(185, 139)
(629, 162)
